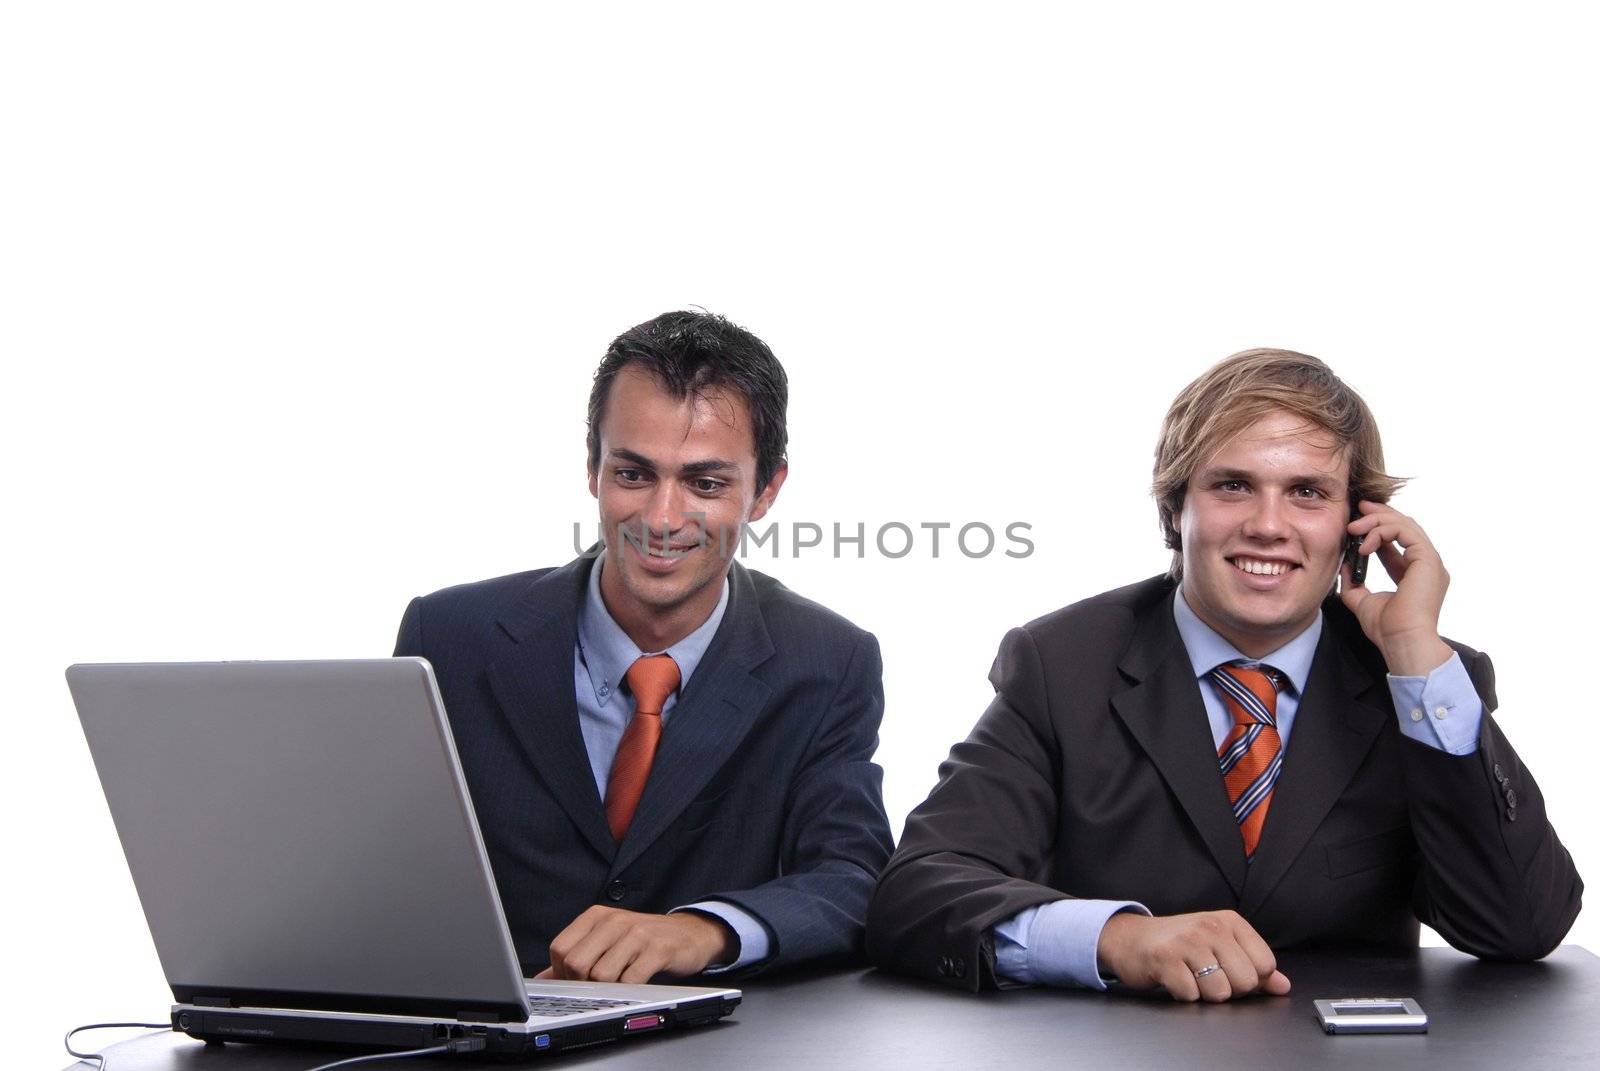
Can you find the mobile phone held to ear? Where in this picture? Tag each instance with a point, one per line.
(1352, 552)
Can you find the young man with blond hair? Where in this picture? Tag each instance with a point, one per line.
(1180, 776)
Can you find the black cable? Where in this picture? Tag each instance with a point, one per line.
(455, 1045)
(67, 1041)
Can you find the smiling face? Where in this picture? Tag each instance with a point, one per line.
(1263, 528)
(676, 483)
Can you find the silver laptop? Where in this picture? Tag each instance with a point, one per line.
(310, 865)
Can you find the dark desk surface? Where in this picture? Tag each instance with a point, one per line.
(1519, 1016)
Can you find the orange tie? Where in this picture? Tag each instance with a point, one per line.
(1252, 754)
(651, 679)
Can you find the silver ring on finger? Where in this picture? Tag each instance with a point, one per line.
(1209, 969)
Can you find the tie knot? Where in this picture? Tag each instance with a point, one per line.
(652, 678)
(1251, 691)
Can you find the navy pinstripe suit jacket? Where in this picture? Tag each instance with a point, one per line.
(763, 792)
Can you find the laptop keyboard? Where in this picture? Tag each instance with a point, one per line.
(544, 1004)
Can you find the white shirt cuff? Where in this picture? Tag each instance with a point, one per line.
(1441, 710)
(1056, 943)
(754, 941)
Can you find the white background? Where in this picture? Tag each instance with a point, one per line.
(301, 302)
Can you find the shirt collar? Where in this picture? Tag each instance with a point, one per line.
(607, 652)
(1207, 650)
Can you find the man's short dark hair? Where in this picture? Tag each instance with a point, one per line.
(694, 354)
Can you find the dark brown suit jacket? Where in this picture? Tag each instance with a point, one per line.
(1093, 774)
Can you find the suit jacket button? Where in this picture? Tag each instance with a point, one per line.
(959, 965)
(944, 966)
(1499, 774)
(1511, 798)
(616, 891)
(1511, 812)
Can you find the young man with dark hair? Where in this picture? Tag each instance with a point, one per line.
(1177, 777)
(670, 755)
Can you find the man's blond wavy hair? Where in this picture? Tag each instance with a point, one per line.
(1236, 392)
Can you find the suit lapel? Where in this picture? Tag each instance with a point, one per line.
(712, 716)
(534, 685)
(1340, 716)
(1167, 717)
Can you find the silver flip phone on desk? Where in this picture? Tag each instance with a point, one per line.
(1371, 1015)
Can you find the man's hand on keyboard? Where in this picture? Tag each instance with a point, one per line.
(608, 944)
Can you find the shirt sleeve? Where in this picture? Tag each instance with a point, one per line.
(754, 941)
(1441, 710)
(1056, 943)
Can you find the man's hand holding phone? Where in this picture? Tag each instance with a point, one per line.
(1404, 623)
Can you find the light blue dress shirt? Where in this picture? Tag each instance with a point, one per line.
(600, 664)
(1057, 943)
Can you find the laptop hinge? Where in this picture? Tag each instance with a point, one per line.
(212, 1002)
(479, 1017)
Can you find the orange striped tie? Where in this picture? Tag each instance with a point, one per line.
(651, 679)
(1251, 755)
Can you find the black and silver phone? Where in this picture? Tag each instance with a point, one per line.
(1353, 557)
(1371, 1015)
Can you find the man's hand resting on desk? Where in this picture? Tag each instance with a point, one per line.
(608, 944)
(1209, 955)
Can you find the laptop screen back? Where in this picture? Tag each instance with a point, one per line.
(299, 833)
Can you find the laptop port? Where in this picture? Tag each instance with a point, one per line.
(636, 1023)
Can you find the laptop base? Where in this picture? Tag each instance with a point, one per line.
(271, 1026)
